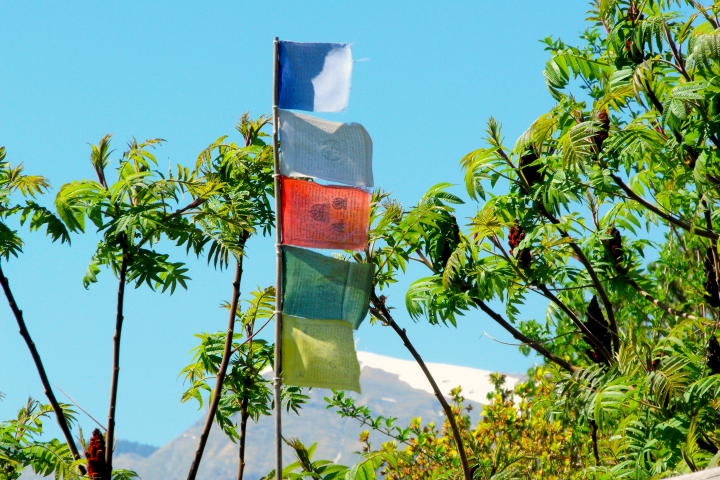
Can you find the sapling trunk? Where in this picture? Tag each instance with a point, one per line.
(119, 317)
(243, 434)
(380, 306)
(220, 377)
(62, 421)
(248, 381)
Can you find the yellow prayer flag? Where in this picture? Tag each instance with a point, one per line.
(319, 353)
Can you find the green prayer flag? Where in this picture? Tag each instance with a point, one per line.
(319, 353)
(316, 286)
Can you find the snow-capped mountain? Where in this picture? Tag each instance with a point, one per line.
(475, 382)
(390, 387)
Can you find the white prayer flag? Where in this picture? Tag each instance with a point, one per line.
(332, 151)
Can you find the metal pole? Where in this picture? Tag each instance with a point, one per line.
(278, 268)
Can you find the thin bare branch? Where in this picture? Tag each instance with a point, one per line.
(40, 367)
(380, 308)
(666, 216)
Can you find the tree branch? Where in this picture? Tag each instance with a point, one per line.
(382, 309)
(578, 323)
(195, 203)
(707, 16)
(661, 305)
(653, 98)
(119, 318)
(517, 335)
(666, 216)
(591, 271)
(220, 377)
(583, 259)
(25, 334)
(713, 245)
(676, 55)
(552, 297)
(535, 345)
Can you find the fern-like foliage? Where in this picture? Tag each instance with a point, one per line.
(22, 446)
(566, 66)
(704, 50)
(14, 183)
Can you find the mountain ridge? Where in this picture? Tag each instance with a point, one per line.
(391, 387)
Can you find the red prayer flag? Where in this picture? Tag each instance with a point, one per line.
(319, 216)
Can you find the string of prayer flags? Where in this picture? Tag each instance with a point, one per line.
(323, 299)
(319, 353)
(333, 151)
(320, 216)
(314, 76)
(316, 286)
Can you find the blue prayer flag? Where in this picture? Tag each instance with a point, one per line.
(314, 76)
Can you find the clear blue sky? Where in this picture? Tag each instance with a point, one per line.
(427, 77)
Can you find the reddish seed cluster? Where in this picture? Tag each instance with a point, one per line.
(633, 13)
(633, 52)
(515, 236)
(713, 361)
(712, 295)
(633, 16)
(603, 131)
(653, 365)
(600, 330)
(95, 455)
(615, 249)
(532, 173)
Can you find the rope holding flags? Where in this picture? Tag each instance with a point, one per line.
(320, 300)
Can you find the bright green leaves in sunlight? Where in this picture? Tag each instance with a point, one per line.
(565, 66)
(14, 182)
(592, 240)
(133, 213)
(241, 179)
(22, 445)
(607, 211)
(140, 216)
(247, 389)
